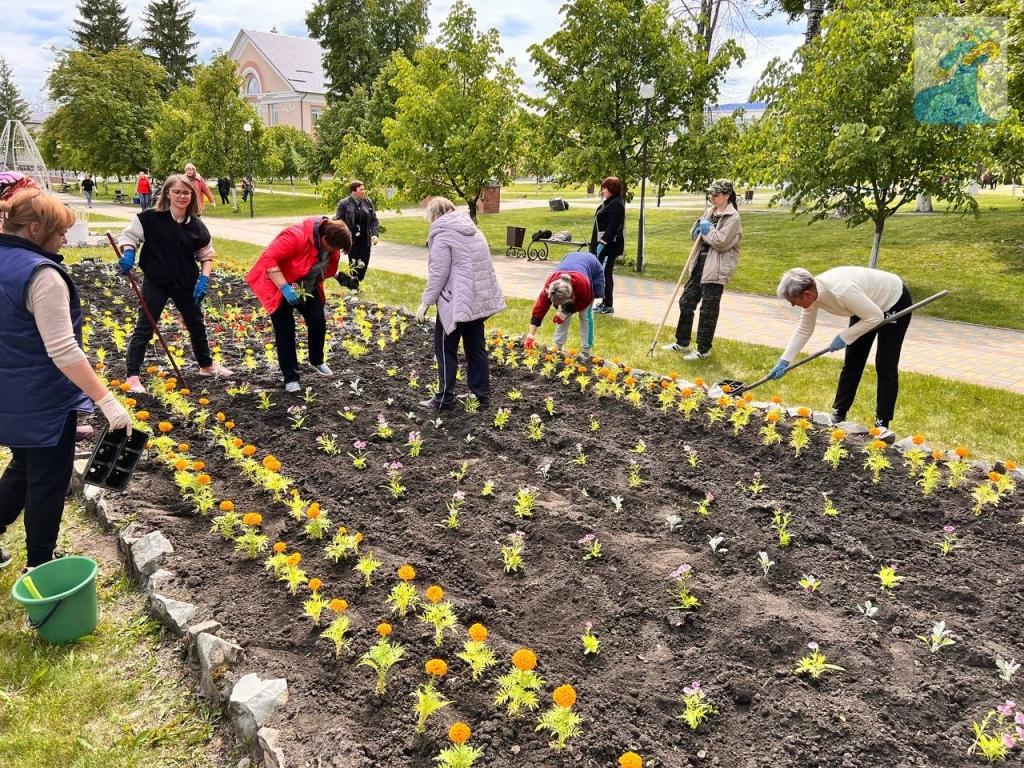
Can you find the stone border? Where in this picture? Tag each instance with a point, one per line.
(249, 701)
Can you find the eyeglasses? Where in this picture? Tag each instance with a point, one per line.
(181, 192)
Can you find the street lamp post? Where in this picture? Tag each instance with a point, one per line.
(248, 154)
(646, 94)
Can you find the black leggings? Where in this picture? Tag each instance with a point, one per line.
(283, 320)
(156, 298)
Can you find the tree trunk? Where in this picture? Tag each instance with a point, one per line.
(815, 10)
(877, 244)
(472, 207)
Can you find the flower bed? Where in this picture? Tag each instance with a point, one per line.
(643, 516)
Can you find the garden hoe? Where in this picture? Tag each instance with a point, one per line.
(738, 387)
(149, 315)
(668, 309)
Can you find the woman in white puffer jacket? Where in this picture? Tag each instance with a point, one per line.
(462, 283)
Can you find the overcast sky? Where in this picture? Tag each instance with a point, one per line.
(32, 28)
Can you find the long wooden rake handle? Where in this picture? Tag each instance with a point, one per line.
(675, 291)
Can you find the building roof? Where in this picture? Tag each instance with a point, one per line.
(299, 60)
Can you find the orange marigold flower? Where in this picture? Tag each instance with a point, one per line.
(314, 511)
(524, 659)
(803, 424)
(183, 447)
(384, 629)
(938, 455)
(170, 384)
(229, 425)
(478, 632)
(151, 369)
(279, 547)
(99, 366)
(629, 381)
(185, 391)
(142, 415)
(459, 733)
(237, 442)
(198, 465)
(726, 388)
(269, 461)
(220, 416)
(777, 399)
(338, 605)
(226, 506)
(748, 397)
(436, 667)
(875, 431)
(204, 401)
(359, 537)
(687, 392)
(248, 450)
(1010, 465)
(631, 760)
(180, 465)
(838, 435)
(772, 416)
(564, 696)
(162, 374)
(315, 584)
(122, 387)
(407, 573)
(995, 477)
(203, 480)
(115, 382)
(252, 519)
(435, 594)
(803, 412)
(878, 445)
(165, 426)
(917, 439)
(673, 375)
(666, 384)
(960, 451)
(294, 559)
(131, 402)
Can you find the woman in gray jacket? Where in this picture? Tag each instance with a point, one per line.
(711, 268)
(462, 283)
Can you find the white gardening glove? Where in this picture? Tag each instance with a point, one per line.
(374, 240)
(421, 313)
(117, 415)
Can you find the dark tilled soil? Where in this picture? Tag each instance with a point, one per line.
(894, 705)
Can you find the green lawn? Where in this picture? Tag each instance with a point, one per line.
(266, 204)
(980, 261)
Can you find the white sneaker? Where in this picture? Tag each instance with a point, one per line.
(135, 386)
(322, 369)
(216, 369)
(674, 347)
(292, 386)
(696, 355)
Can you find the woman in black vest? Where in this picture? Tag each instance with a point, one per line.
(177, 243)
(606, 239)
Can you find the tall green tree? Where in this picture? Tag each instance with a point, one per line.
(203, 124)
(167, 34)
(358, 36)
(591, 71)
(294, 147)
(107, 102)
(456, 125)
(840, 132)
(12, 105)
(102, 26)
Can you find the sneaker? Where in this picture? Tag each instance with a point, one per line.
(5, 558)
(216, 369)
(603, 310)
(838, 417)
(432, 405)
(886, 434)
(697, 355)
(292, 386)
(676, 347)
(322, 369)
(135, 386)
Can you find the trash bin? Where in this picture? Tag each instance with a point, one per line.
(558, 204)
(514, 236)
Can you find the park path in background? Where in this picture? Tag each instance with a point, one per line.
(977, 354)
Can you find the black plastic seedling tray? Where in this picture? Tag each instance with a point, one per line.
(114, 459)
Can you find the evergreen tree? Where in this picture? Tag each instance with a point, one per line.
(167, 33)
(103, 26)
(12, 106)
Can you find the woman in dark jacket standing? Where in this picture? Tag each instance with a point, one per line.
(176, 244)
(606, 239)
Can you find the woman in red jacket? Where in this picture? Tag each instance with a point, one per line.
(289, 275)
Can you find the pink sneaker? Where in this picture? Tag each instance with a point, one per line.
(134, 385)
(217, 370)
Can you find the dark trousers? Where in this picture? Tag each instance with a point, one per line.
(887, 363)
(36, 480)
(283, 320)
(709, 297)
(223, 197)
(156, 298)
(609, 279)
(446, 349)
(359, 257)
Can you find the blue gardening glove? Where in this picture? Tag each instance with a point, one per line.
(289, 294)
(705, 226)
(199, 292)
(779, 370)
(127, 261)
(695, 232)
(837, 344)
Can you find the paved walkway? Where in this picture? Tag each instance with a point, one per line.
(992, 357)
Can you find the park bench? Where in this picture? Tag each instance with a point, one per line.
(537, 250)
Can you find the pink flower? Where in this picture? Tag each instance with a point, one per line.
(359, 444)
(682, 571)
(1006, 708)
(692, 688)
(948, 529)
(812, 645)
(585, 541)
(1008, 741)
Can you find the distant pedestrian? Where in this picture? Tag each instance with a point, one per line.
(203, 194)
(247, 188)
(88, 185)
(358, 212)
(224, 186)
(710, 269)
(144, 189)
(606, 239)
(578, 279)
(462, 283)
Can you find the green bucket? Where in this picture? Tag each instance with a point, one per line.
(68, 609)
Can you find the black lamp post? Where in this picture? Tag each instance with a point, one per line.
(646, 94)
(248, 153)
